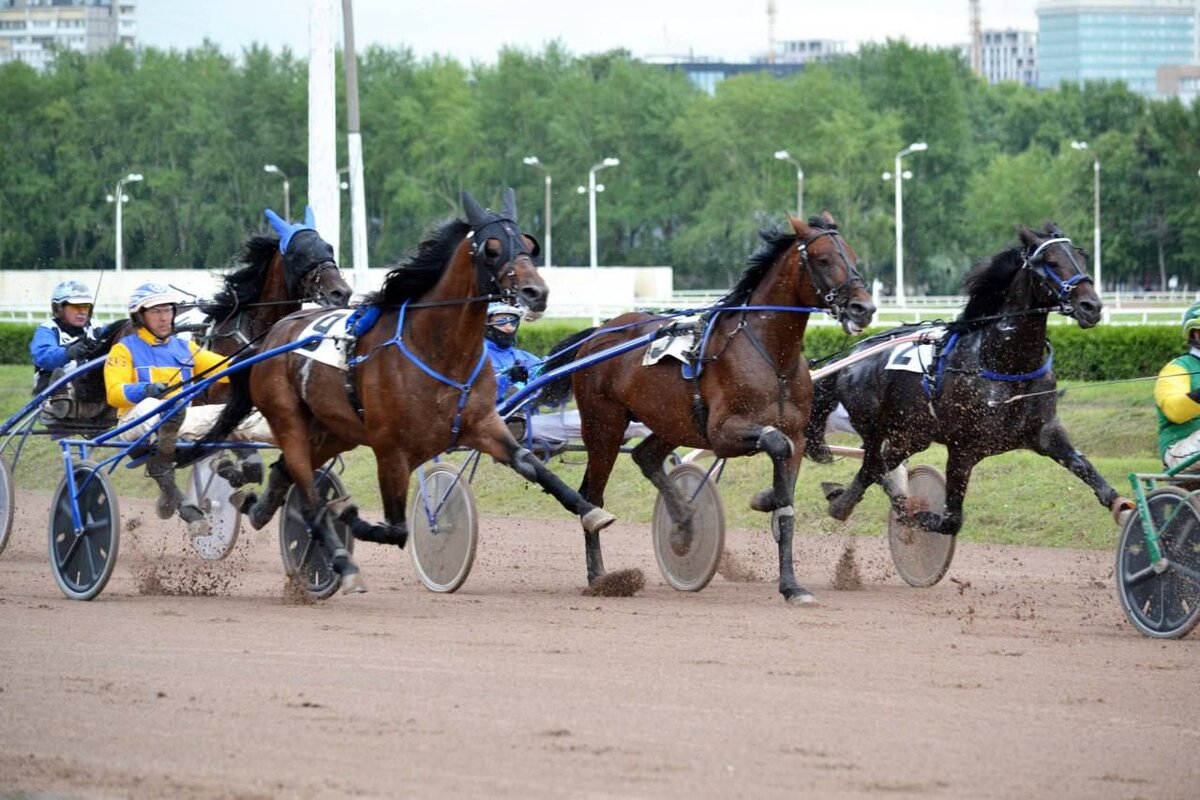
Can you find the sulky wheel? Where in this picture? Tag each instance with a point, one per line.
(83, 558)
(1162, 602)
(6, 503)
(690, 566)
(443, 528)
(301, 549)
(921, 557)
(210, 492)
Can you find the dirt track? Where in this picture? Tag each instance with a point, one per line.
(1016, 676)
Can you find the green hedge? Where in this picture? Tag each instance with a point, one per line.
(1098, 354)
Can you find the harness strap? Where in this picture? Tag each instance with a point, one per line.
(1028, 376)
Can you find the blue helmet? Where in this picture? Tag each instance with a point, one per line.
(152, 294)
(74, 292)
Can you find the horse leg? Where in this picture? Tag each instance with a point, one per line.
(958, 475)
(393, 474)
(844, 499)
(785, 458)
(261, 508)
(649, 456)
(1054, 442)
(825, 400)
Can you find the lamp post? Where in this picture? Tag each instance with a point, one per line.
(533, 162)
(783, 155)
(119, 198)
(898, 176)
(287, 189)
(592, 188)
(1095, 213)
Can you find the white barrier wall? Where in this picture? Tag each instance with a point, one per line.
(573, 290)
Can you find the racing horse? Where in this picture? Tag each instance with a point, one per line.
(417, 384)
(748, 391)
(983, 386)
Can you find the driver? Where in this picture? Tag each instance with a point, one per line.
(63, 342)
(513, 366)
(1177, 397)
(151, 365)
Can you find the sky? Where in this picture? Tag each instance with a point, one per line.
(475, 30)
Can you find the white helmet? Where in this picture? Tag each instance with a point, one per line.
(503, 308)
(73, 292)
(152, 294)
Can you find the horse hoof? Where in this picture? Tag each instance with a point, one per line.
(681, 542)
(353, 583)
(801, 597)
(1122, 509)
(831, 490)
(597, 520)
(839, 513)
(764, 501)
(818, 452)
(243, 500)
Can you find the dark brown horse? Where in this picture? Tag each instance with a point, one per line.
(752, 394)
(419, 384)
(987, 388)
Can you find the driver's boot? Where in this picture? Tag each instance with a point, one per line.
(169, 496)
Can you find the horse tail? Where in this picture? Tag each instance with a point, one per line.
(238, 406)
(557, 392)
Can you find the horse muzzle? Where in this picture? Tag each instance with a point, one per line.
(1087, 312)
(856, 316)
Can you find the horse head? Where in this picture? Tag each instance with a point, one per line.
(831, 267)
(503, 254)
(310, 270)
(1061, 275)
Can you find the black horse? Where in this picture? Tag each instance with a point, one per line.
(983, 387)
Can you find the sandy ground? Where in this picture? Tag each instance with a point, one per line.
(1017, 676)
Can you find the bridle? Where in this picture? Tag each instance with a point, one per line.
(312, 282)
(493, 279)
(1062, 289)
(836, 298)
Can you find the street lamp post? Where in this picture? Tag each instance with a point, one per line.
(591, 190)
(533, 162)
(119, 198)
(287, 189)
(898, 176)
(1095, 213)
(783, 155)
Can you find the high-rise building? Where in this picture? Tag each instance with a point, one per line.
(1009, 55)
(1116, 40)
(31, 30)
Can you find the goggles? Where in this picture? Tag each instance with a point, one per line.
(502, 320)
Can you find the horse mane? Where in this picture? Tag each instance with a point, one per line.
(775, 241)
(987, 284)
(423, 266)
(244, 285)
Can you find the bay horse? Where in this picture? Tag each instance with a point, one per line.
(986, 387)
(418, 382)
(749, 391)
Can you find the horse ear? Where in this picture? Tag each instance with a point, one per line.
(277, 222)
(476, 216)
(310, 219)
(1028, 237)
(1052, 228)
(798, 225)
(510, 204)
(825, 215)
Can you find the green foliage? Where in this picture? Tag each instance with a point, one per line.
(697, 178)
(14, 343)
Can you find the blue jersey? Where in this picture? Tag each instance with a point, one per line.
(49, 349)
(503, 359)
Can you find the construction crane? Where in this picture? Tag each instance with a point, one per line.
(976, 38)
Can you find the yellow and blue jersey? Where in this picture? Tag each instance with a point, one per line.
(140, 359)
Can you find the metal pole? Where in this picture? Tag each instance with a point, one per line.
(117, 202)
(800, 193)
(324, 194)
(592, 246)
(287, 199)
(358, 202)
(549, 238)
(899, 178)
(1096, 224)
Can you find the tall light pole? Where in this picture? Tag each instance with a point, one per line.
(591, 190)
(898, 176)
(1095, 213)
(533, 162)
(119, 198)
(783, 155)
(287, 189)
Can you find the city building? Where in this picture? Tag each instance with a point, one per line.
(1009, 55)
(706, 73)
(1115, 40)
(32, 30)
(807, 51)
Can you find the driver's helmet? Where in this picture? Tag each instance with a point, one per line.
(502, 314)
(149, 295)
(73, 292)
(1191, 320)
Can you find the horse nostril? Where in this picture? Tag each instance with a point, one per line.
(862, 308)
